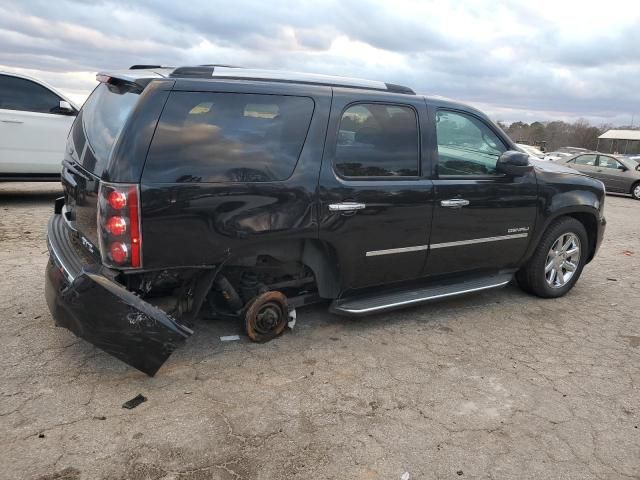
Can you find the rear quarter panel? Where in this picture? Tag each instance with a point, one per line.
(190, 224)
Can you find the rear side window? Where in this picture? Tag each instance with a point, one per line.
(25, 95)
(228, 137)
(377, 140)
(103, 116)
(585, 160)
(608, 162)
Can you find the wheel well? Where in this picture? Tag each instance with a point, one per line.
(288, 260)
(591, 226)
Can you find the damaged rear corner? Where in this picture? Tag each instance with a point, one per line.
(102, 311)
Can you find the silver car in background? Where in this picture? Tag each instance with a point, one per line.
(531, 150)
(558, 156)
(619, 174)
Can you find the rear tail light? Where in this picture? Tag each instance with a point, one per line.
(119, 225)
(117, 199)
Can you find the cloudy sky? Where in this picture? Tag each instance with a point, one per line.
(517, 60)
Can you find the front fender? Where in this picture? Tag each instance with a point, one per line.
(578, 196)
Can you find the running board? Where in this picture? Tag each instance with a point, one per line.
(390, 300)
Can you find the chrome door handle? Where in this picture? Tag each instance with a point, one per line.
(346, 207)
(12, 121)
(454, 203)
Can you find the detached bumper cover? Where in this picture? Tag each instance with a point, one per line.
(94, 307)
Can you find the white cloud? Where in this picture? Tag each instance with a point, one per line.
(515, 59)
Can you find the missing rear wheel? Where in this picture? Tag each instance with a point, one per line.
(266, 316)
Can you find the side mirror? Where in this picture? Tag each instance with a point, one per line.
(66, 108)
(514, 163)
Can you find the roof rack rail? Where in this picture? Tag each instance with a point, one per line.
(200, 71)
(219, 65)
(210, 71)
(143, 67)
(392, 87)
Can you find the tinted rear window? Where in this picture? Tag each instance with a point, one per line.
(377, 140)
(103, 116)
(228, 137)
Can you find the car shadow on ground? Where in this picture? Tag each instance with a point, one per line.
(315, 325)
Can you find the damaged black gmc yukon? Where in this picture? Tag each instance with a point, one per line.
(227, 192)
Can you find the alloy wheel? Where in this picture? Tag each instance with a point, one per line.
(562, 260)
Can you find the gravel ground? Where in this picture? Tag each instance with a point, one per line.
(494, 385)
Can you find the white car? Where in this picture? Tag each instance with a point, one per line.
(34, 122)
(531, 151)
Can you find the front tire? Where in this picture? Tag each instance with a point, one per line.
(635, 191)
(558, 261)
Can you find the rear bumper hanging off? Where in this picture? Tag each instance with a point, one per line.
(94, 307)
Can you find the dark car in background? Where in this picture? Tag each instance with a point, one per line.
(619, 174)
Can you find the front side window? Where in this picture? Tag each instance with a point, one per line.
(466, 145)
(376, 140)
(228, 137)
(589, 160)
(608, 162)
(25, 95)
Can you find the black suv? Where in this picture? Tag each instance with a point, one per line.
(227, 192)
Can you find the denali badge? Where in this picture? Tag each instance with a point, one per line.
(518, 229)
(86, 243)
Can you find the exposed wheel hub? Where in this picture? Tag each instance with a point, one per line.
(266, 316)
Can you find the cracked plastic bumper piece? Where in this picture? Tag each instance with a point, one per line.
(101, 311)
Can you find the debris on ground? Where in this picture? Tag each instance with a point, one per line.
(405, 476)
(612, 279)
(628, 253)
(134, 402)
(292, 319)
(229, 338)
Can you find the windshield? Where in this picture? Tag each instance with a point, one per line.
(631, 162)
(103, 116)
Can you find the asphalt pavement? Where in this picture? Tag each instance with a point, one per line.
(498, 385)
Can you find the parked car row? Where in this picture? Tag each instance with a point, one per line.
(619, 174)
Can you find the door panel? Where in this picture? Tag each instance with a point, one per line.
(490, 232)
(585, 164)
(609, 173)
(383, 237)
(32, 142)
(482, 218)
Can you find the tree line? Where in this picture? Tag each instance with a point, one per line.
(554, 135)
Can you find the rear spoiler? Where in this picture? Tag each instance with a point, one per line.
(127, 80)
